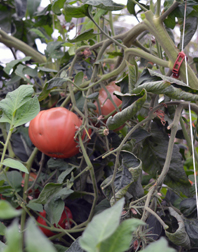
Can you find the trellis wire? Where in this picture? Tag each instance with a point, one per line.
(190, 116)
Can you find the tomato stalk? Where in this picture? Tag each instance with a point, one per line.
(92, 174)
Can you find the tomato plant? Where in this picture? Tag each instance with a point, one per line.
(65, 221)
(141, 172)
(106, 105)
(52, 131)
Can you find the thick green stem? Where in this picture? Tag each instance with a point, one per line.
(11, 41)
(5, 146)
(155, 27)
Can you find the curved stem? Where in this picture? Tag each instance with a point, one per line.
(91, 170)
(11, 41)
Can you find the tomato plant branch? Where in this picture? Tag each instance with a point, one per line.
(6, 145)
(155, 27)
(91, 170)
(109, 37)
(165, 169)
(11, 41)
(157, 217)
(169, 10)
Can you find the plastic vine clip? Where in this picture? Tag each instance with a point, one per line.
(178, 62)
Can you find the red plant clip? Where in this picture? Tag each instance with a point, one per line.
(178, 62)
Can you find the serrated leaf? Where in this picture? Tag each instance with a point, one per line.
(57, 5)
(101, 227)
(114, 122)
(155, 147)
(64, 174)
(8, 162)
(55, 206)
(13, 63)
(35, 240)
(133, 72)
(121, 239)
(35, 206)
(47, 193)
(55, 82)
(13, 238)
(75, 12)
(190, 29)
(48, 70)
(27, 112)
(89, 34)
(54, 209)
(93, 96)
(108, 5)
(38, 33)
(53, 50)
(19, 107)
(7, 211)
(79, 78)
(32, 6)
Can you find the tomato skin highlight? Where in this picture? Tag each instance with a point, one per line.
(52, 131)
(107, 106)
(63, 222)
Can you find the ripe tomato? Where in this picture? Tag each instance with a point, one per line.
(52, 131)
(107, 106)
(64, 221)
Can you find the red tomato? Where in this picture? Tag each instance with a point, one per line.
(64, 221)
(52, 131)
(107, 106)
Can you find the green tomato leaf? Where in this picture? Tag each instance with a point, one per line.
(13, 63)
(57, 5)
(13, 238)
(155, 147)
(55, 206)
(35, 240)
(121, 239)
(79, 78)
(2, 229)
(75, 12)
(114, 122)
(15, 164)
(89, 34)
(158, 245)
(47, 193)
(27, 112)
(7, 211)
(101, 227)
(19, 107)
(108, 5)
(32, 6)
(53, 50)
(54, 209)
(39, 33)
(35, 206)
(133, 74)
